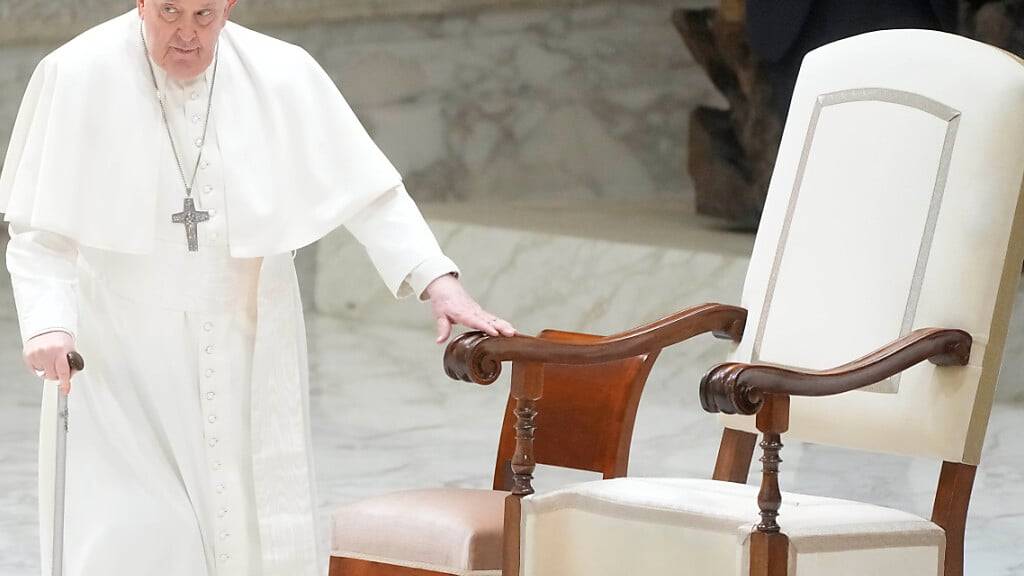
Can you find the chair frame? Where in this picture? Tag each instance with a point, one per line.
(765, 390)
(594, 385)
(732, 388)
(624, 380)
(477, 357)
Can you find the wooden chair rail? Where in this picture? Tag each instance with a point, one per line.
(477, 357)
(738, 388)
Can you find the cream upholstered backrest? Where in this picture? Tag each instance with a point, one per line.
(895, 205)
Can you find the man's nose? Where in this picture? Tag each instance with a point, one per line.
(187, 35)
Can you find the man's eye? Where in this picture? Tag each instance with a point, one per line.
(170, 10)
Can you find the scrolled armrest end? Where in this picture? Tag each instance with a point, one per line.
(467, 359)
(957, 350)
(721, 391)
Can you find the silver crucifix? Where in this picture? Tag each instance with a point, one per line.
(190, 217)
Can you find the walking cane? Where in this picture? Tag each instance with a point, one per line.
(77, 364)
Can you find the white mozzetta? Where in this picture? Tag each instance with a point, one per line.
(290, 175)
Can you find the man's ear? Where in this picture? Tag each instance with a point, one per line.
(141, 4)
(227, 9)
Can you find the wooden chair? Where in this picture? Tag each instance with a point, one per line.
(879, 295)
(587, 425)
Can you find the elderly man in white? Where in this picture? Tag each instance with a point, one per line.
(163, 169)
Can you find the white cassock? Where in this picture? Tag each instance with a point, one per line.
(189, 446)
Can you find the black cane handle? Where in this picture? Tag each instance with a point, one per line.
(76, 362)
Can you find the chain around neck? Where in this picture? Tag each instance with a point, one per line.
(188, 183)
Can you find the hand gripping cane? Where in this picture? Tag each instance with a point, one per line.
(77, 364)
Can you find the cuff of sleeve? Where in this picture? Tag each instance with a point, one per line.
(40, 331)
(425, 273)
(53, 308)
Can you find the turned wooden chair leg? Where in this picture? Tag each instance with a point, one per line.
(527, 389)
(769, 547)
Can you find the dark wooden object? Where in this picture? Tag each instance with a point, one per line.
(996, 22)
(769, 547)
(76, 362)
(575, 394)
(734, 456)
(587, 427)
(353, 567)
(731, 152)
(952, 498)
(772, 421)
(765, 390)
(476, 357)
(737, 388)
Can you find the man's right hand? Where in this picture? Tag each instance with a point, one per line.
(46, 355)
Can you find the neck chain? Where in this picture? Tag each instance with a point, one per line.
(189, 183)
(189, 216)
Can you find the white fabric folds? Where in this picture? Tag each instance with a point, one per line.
(85, 148)
(283, 474)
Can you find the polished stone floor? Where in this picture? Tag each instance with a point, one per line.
(386, 418)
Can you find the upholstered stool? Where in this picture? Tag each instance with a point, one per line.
(451, 531)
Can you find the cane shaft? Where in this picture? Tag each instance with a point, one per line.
(60, 477)
(76, 363)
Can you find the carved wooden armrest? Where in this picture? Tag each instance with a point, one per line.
(737, 388)
(477, 357)
(765, 390)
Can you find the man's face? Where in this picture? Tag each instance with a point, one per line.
(182, 34)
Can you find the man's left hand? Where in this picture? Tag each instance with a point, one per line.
(452, 305)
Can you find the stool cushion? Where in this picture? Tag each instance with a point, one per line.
(652, 526)
(450, 530)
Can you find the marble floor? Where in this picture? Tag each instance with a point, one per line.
(386, 418)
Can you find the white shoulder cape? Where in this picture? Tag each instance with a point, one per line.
(87, 146)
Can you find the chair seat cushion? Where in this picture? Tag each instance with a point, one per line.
(456, 531)
(649, 526)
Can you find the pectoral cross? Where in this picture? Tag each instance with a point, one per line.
(190, 217)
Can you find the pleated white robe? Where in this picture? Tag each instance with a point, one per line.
(189, 448)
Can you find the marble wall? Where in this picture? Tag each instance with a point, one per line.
(570, 100)
(573, 103)
(45, 20)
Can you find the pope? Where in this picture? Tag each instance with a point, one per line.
(164, 167)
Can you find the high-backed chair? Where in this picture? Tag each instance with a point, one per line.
(587, 425)
(879, 295)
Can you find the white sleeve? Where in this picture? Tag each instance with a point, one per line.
(400, 244)
(44, 279)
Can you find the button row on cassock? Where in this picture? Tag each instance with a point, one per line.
(220, 487)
